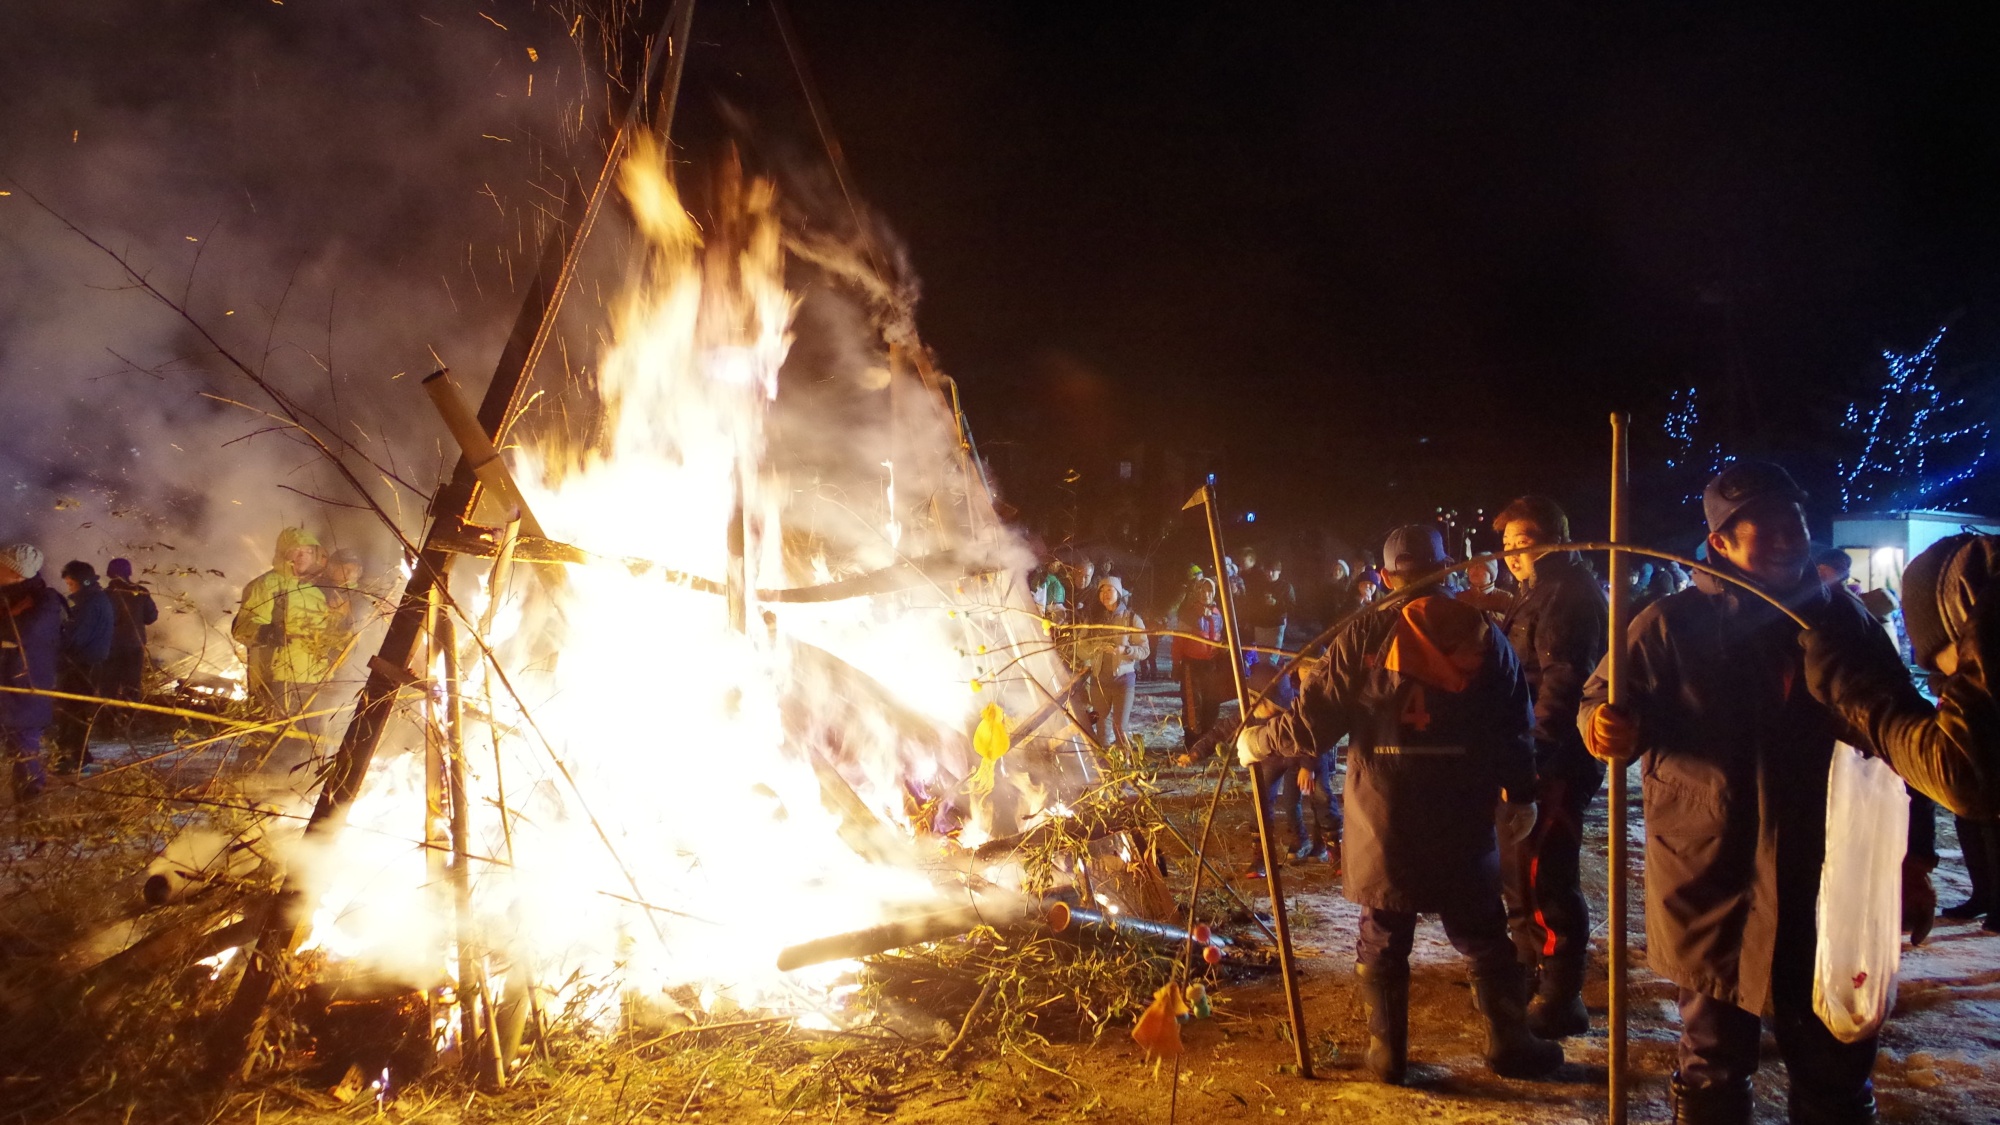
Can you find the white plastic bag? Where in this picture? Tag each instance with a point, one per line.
(1860, 895)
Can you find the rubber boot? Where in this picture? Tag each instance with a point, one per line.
(1725, 1104)
(1919, 898)
(1387, 994)
(1512, 1051)
(1557, 1010)
(1978, 866)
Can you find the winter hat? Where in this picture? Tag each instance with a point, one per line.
(1115, 583)
(22, 557)
(1940, 587)
(1742, 484)
(119, 568)
(1413, 549)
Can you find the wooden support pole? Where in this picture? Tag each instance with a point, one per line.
(1273, 872)
(1618, 864)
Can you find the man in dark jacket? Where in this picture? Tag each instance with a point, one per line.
(86, 644)
(1438, 717)
(1736, 758)
(1557, 625)
(132, 611)
(1267, 604)
(30, 635)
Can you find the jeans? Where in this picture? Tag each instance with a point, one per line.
(1288, 798)
(1267, 636)
(1479, 932)
(1113, 700)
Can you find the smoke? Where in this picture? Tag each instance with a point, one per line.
(343, 194)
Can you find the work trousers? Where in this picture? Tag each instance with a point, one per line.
(121, 674)
(1477, 930)
(1829, 1079)
(69, 739)
(1204, 685)
(1542, 877)
(1112, 697)
(23, 750)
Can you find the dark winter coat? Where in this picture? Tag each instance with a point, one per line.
(31, 618)
(1559, 628)
(1428, 757)
(132, 610)
(1266, 602)
(1948, 751)
(1735, 756)
(88, 628)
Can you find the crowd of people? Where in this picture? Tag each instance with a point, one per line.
(63, 655)
(1475, 719)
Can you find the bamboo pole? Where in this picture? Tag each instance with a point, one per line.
(1618, 873)
(471, 952)
(1273, 872)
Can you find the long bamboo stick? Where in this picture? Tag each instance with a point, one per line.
(1273, 872)
(1618, 864)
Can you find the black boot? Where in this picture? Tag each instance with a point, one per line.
(1387, 994)
(1978, 850)
(1557, 1010)
(1512, 1051)
(1919, 898)
(1727, 1103)
(1809, 1107)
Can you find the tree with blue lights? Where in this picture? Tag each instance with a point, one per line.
(1916, 445)
(1692, 455)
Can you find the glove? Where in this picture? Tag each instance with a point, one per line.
(1614, 735)
(1513, 820)
(1250, 746)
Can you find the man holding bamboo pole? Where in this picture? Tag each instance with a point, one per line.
(1440, 764)
(1736, 755)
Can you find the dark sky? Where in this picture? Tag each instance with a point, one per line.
(1364, 260)
(1313, 235)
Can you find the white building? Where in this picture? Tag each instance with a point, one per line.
(1881, 542)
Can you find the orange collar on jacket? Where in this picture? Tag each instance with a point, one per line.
(1438, 642)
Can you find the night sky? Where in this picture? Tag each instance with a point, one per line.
(1313, 236)
(1361, 261)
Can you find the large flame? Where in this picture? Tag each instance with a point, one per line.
(686, 774)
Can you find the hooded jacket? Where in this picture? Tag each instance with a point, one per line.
(1558, 626)
(1948, 751)
(285, 615)
(1734, 757)
(134, 611)
(88, 627)
(1437, 714)
(31, 617)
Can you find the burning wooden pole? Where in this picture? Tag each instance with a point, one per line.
(236, 1044)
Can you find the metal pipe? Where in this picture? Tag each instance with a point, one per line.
(1273, 873)
(933, 925)
(1617, 862)
(1064, 918)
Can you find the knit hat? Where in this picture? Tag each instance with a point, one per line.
(1413, 549)
(25, 558)
(119, 568)
(1115, 583)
